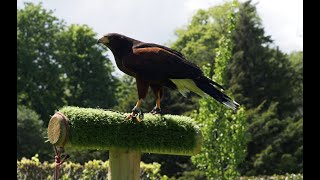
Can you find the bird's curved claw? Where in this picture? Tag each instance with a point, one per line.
(155, 111)
(136, 116)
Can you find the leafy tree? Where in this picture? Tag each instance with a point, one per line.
(60, 65)
(86, 71)
(198, 42)
(276, 144)
(265, 82)
(200, 38)
(249, 59)
(255, 66)
(261, 78)
(224, 132)
(30, 134)
(296, 59)
(57, 65)
(38, 73)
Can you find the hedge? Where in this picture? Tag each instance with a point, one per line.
(273, 177)
(95, 169)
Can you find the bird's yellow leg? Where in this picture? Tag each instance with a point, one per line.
(138, 103)
(158, 101)
(135, 111)
(157, 109)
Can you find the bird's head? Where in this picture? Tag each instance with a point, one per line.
(114, 40)
(109, 38)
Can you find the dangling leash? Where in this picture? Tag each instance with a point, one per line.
(58, 161)
(57, 157)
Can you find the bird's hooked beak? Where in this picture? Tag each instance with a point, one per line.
(103, 40)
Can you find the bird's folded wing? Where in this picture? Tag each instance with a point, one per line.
(163, 61)
(150, 45)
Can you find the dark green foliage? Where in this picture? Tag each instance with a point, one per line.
(265, 128)
(171, 165)
(38, 73)
(224, 131)
(82, 155)
(296, 60)
(95, 169)
(199, 39)
(198, 42)
(174, 103)
(286, 176)
(257, 73)
(86, 71)
(249, 67)
(60, 65)
(30, 134)
(100, 129)
(266, 82)
(259, 77)
(192, 175)
(277, 144)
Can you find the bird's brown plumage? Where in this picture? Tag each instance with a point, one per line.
(157, 66)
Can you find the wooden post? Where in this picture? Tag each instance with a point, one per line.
(124, 165)
(87, 128)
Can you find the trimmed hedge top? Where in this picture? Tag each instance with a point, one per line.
(103, 129)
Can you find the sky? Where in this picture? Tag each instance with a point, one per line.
(156, 20)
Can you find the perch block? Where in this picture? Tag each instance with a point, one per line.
(87, 128)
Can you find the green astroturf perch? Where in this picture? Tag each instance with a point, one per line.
(87, 128)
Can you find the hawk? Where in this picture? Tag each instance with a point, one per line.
(156, 66)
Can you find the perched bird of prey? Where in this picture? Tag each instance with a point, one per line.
(157, 66)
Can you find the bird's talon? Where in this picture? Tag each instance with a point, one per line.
(136, 120)
(132, 115)
(136, 116)
(141, 116)
(129, 116)
(155, 111)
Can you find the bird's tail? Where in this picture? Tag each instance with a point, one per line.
(206, 86)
